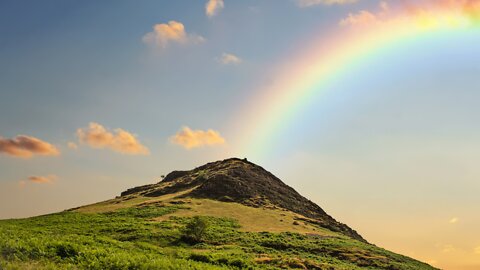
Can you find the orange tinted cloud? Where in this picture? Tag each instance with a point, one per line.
(26, 146)
(213, 7)
(119, 140)
(308, 3)
(472, 8)
(42, 179)
(424, 13)
(189, 138)
(165, 33)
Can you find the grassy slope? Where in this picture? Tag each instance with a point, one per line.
(145, 233)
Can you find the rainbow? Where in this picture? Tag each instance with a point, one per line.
(310, 73)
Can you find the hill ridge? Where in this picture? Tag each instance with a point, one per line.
(241, 181)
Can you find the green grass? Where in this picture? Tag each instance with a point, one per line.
(130, 238)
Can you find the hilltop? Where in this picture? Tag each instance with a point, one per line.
(238, 180)
(250, 219)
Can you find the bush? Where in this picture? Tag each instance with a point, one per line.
(8, 252)
(239, 263)
(196, 230)
(65, 250)
(201, 257)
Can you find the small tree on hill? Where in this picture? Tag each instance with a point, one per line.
(196, 229)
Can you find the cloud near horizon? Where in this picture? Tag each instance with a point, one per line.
(448, 248)
(309, 3)
(97, 136)
(453, 220)
(189, 139)
(49, 179)
(42, 179)
(213, 7)
(23, 146)
(172, 32)
(229, 59)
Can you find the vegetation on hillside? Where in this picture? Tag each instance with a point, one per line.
(134, 238)
(229, 214)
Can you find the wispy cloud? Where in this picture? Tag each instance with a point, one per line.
(453, 220)
(229, 59)
(188, 138)
(448, 248)
(72, 145)
(476, 250)
(172, 32)
(213, 7)
(119, 140)
(362, 17)
(308, 3)
(42, 179)
(366, 17)
(49, 179)
(23, 146)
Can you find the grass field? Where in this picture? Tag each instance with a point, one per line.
(142, 233)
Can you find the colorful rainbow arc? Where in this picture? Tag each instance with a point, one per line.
(315, 68)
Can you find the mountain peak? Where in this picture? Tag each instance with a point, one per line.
(238, 180)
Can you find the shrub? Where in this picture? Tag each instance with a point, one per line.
(201, 176)
(7, 252)
(195, 230)
(200, 257)
(238, 263)
(65, 250)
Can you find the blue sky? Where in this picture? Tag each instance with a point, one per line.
(394, 142)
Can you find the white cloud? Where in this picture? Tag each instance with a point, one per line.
(213, 7)
(172, 32)
(229, 59)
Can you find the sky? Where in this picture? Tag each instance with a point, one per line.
(369, 108)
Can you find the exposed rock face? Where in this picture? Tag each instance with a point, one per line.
(237, 180)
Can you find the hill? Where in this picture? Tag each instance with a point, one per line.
(229, 214)
(236, 180)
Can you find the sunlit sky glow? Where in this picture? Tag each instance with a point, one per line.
(367, 107)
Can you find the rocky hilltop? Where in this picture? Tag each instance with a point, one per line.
(241, 181)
